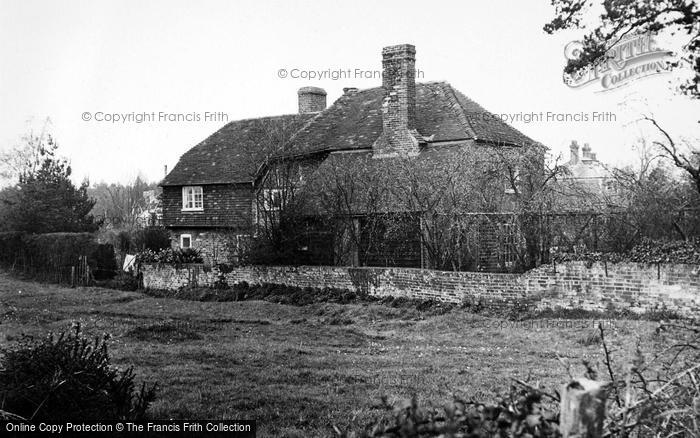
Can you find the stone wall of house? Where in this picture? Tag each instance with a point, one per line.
(214, 245)
(632, 286)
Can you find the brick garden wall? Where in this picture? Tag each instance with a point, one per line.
(634, 286)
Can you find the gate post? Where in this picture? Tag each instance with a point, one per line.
(582, 409)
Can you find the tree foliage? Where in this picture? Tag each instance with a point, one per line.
(620, 18)
(45, 200)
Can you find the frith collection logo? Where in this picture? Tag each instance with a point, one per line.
(633, 57)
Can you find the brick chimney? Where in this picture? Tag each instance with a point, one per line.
(311, 100)
(574, 152)
(587, 154)
(399, 135)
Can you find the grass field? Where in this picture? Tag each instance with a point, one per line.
(300, 370)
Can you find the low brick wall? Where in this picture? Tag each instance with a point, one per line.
(635, 286)
(639, 287)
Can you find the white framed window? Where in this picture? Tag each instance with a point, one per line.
(509, 242)
(185, 241)
(192, 198)
(272, 199)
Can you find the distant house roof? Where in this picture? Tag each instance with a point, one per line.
(354, 121)
(234, 153)
(587, 183)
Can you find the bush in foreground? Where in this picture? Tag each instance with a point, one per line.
(69, 377)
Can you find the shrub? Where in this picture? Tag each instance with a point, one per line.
(45, 256)
(123, 241)
(151, 238)
(103, 261)
(170, 256)
(11, 243)
(657, 394)
(647, 251)
(69, 377)
(520, 413)
(123, 281)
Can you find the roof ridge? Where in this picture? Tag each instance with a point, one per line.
(278, 116)
(454, 101)
(497, 120)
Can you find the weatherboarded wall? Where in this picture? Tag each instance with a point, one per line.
(633, 286)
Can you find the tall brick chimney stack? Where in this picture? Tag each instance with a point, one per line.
(399, 135)
(311, 100)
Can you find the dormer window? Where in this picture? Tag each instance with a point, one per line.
(192, 198)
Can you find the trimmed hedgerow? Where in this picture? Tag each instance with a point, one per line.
(648, 251)
(42, 256)
(69, 377)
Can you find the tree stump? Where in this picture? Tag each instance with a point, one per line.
(582, 409)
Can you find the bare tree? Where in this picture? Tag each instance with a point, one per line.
(684, 156)
(121, 205)
(26, 156)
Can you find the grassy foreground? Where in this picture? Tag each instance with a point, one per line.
(301, 370)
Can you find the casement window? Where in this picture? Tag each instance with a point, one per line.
(272, 199)
(185, 241)
(192, 198)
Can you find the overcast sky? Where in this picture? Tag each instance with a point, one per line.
(62, 59)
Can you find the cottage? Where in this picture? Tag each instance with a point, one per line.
(223, 189)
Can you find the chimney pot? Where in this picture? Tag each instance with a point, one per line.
(587, 156)
(574, 152)
(311, 100)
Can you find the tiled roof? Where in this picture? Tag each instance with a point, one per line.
(234, 153)
(354, 121)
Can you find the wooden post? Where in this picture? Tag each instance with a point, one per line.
(582, 409)
(72, 276)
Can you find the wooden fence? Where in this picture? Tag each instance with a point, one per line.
(78, 274)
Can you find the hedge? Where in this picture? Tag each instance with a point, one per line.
(43, 255)
(647, 251)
